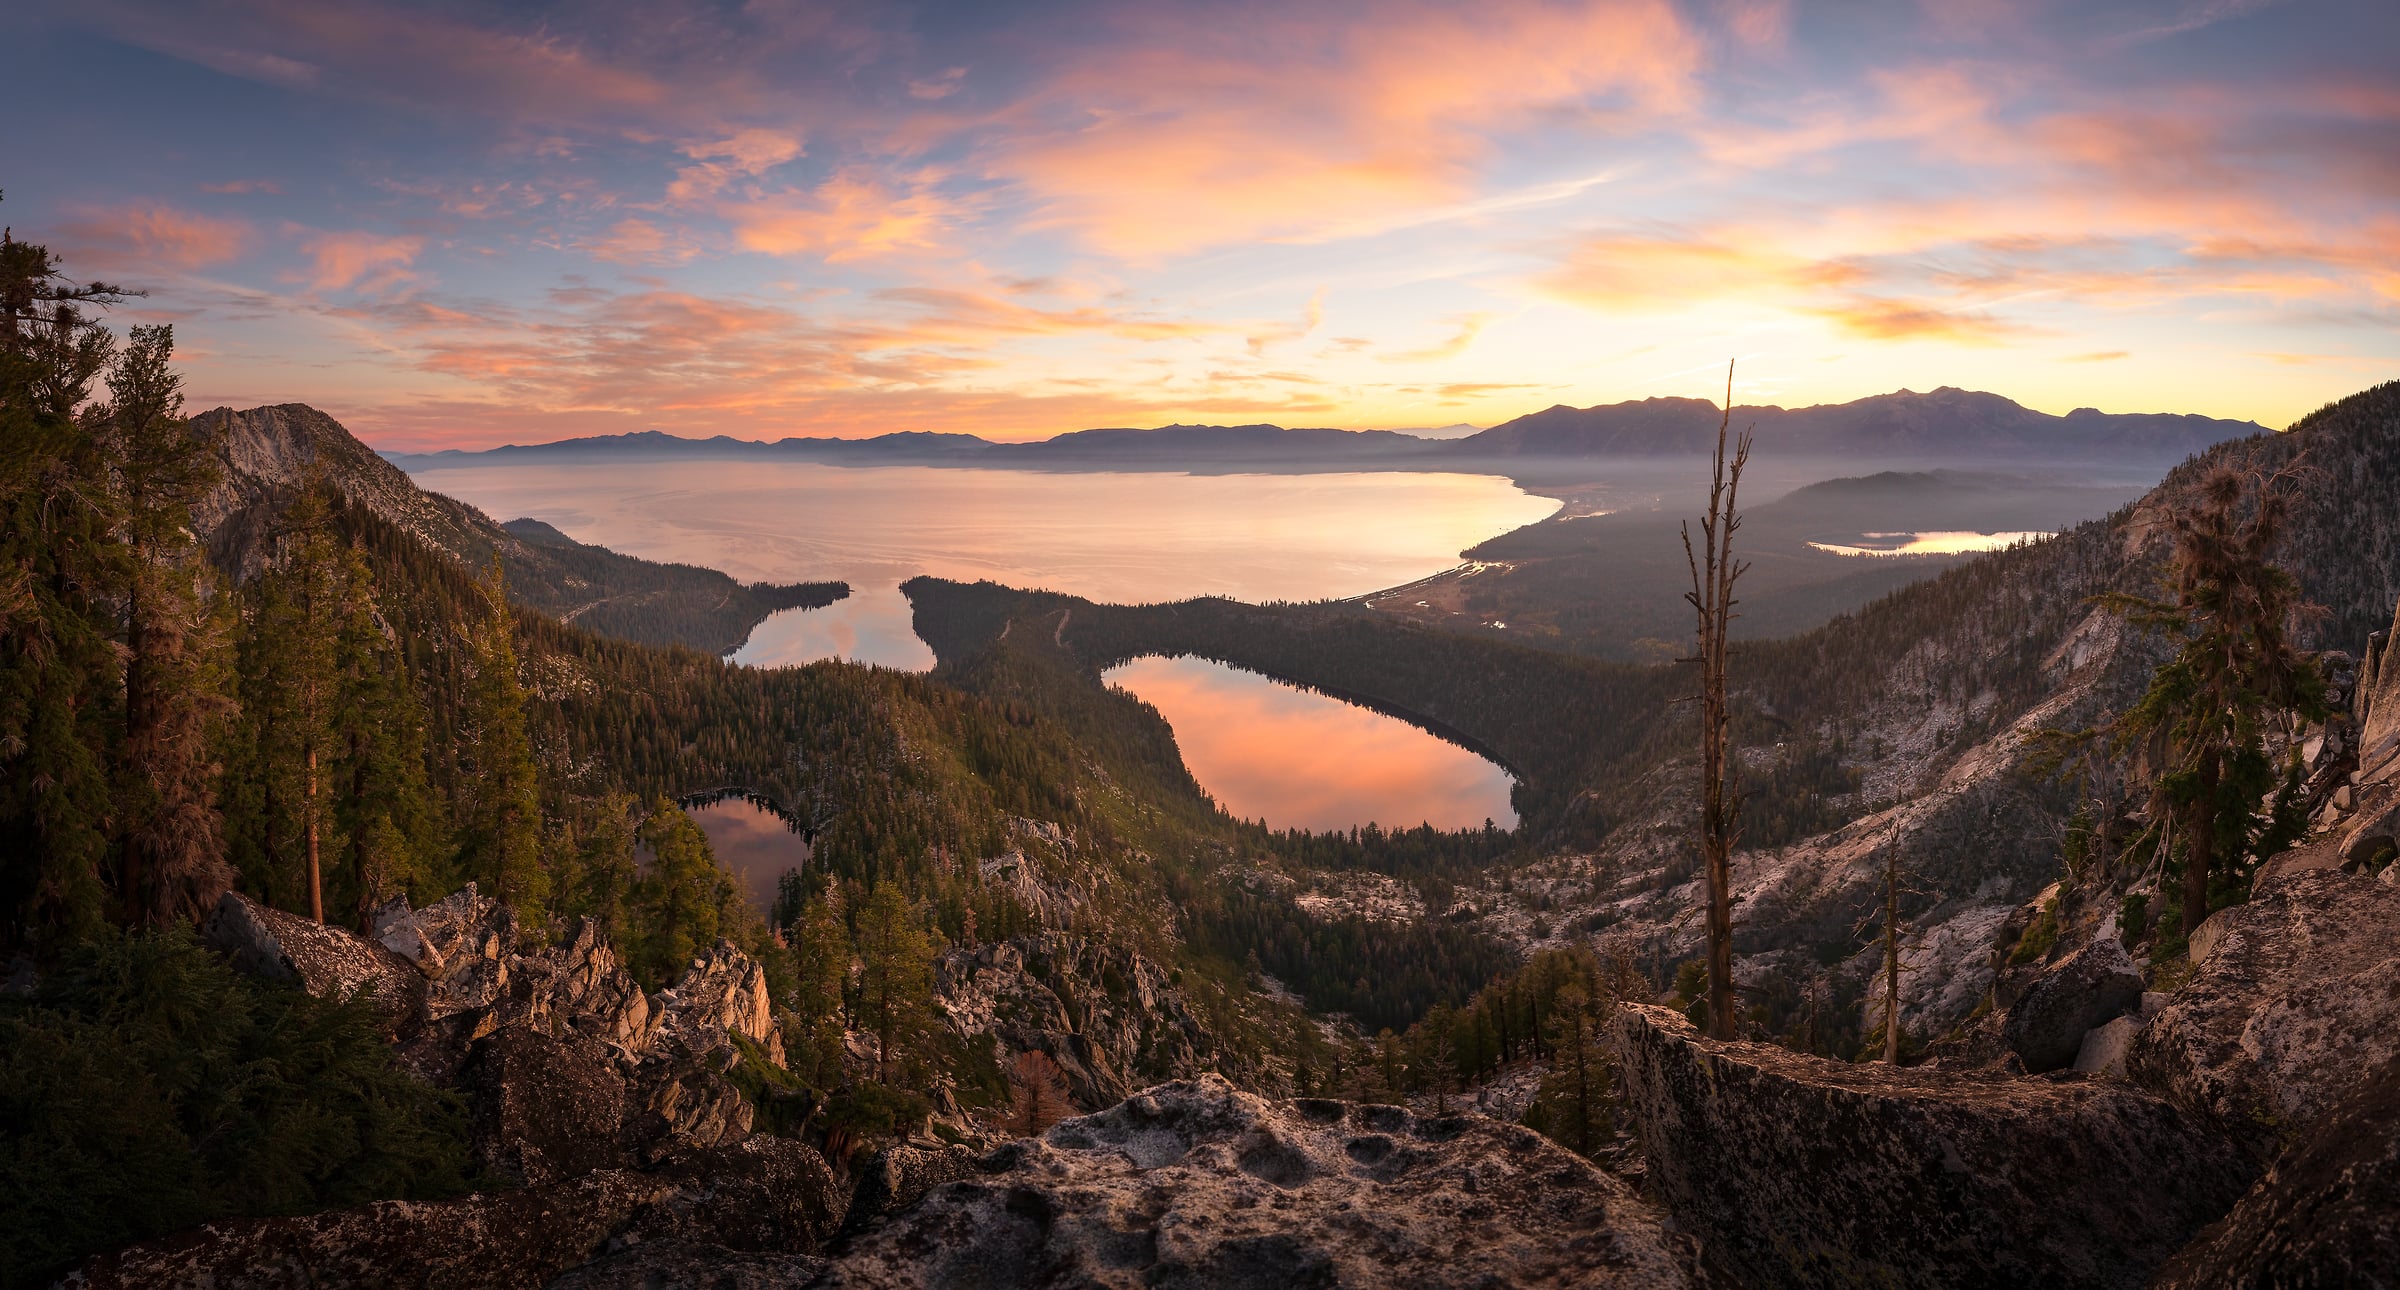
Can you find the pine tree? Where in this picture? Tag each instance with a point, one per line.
(896, 973)
(822, 958)
(60, 683)
(501, 833)
(1714, 572)
(2204, 720)
(1572, 1104)
(386, 811)
(171, 847)
(683, 900)
(289, 690)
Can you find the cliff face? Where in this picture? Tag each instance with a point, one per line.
(268, 454)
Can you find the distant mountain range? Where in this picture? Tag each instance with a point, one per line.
(1946, 425)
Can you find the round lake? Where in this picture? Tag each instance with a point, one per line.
(1298, 759)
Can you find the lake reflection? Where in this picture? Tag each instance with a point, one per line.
(756, 845)
(1120, 538)
(1302, 760)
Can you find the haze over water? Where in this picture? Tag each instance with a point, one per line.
(1117, 538)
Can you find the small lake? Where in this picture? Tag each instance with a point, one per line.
(754, 843)
(1116, 538)
(1299, 759)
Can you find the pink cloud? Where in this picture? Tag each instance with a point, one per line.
(150, 235)
(365, 261)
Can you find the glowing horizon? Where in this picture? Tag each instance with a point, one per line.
(455, 226)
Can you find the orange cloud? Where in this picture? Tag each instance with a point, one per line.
(151, 235)
(852, 215)
(1197, 132)
(1879, 319)
(367, 261)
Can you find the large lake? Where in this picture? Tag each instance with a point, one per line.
(1263, 749)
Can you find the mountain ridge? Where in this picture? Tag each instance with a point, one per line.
(268, 454)
(1942, 424)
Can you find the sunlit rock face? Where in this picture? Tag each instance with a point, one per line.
(2296, 998)
(1197, 1184)
(1797, 1171)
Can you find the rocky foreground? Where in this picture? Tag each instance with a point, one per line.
(2243, 1130)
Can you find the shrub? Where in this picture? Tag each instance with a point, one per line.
(147, 1088)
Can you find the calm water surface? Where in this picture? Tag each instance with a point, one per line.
(754, 844)
(1301, 760)
(1125, 539)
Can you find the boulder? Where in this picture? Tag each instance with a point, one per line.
(768, 1196)
(899, 1176)
(1798, 1171)
(329, 962)
(545, 1108)
(2299, 997)
(2326, 1214)
(1194, 1184)
(2046, 1025)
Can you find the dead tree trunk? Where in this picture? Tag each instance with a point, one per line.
(1714, 571)
(1891, 956)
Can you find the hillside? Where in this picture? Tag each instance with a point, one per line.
(268, 453)
(1899, 725)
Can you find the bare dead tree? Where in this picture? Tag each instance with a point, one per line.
(1714, 572)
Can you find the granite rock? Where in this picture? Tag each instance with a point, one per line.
(2326, 1214)
(329, 962)
(2299, 998)
(1798, 1171)
(1195, 1184)
(2046, 1025)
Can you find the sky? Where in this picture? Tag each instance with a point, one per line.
(455, 225)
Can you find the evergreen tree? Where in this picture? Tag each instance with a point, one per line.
(171, 847)
(1572, 1105)
(60, 683)
(289, 689)
(2204, 720)
(685, 900)
(606, 873)
(501, 833)
(896, 973)
(821, 961)
(386, 809)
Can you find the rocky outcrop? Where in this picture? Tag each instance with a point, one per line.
(1194, 1184)
(1106, 1014)
(2046, 1025)
(2297, 999)
(1798, 1171)
(568, 1064)
(325, 961)
(766, 1195)
(2326, 1214)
